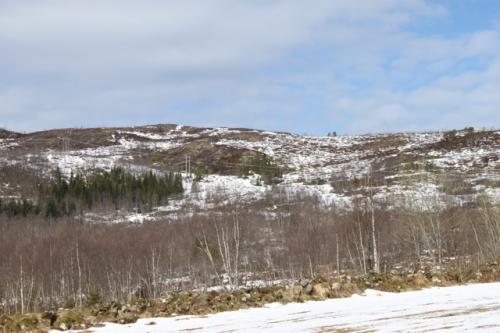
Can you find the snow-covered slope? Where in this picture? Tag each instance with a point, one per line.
(402, 169)
(469, 308)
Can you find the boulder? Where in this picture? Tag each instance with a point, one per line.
(307, 290)
(304, 282)
(68, 319)
(127, 318)
(320, 291)
(291, 293)
(49, 317)
(420, 280)
(200, 303)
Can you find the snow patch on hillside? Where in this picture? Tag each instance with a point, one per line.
(7, 143)
(314, 166)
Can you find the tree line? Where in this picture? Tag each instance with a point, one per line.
(116, 189)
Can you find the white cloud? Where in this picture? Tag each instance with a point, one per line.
(450, 101)
(108, 35)
(290, 65)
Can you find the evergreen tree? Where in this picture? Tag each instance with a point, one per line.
(117, 187)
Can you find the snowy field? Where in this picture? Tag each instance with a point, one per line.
(471, 308)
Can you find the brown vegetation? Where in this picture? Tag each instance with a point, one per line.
(47, 264)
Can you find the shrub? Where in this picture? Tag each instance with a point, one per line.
(450, 135)
(269, 172)
(199, 172)
(469, 130)
(94, 298)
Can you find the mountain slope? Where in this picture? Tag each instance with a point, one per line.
(242, 165)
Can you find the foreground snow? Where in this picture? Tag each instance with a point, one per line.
(474, 308)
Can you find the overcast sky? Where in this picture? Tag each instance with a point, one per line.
(351, 66)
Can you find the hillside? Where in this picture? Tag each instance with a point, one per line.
(116, 224)
(248, 166)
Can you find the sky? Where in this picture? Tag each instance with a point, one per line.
(308, 67)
